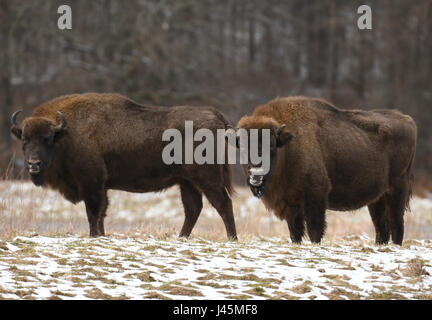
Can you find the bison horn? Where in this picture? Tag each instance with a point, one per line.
(14, 117)
(279, 130)
(62, 125)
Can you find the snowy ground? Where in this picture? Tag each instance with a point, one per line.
(127, 268)
(45, 252)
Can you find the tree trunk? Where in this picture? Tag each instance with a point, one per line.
(6, 98)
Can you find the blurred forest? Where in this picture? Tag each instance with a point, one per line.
(232, 54)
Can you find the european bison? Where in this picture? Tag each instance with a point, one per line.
(323, 157)
(84, 144)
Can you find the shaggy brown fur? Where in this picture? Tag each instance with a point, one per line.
(337, 159)
(111, 142)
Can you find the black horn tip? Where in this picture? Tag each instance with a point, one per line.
(14, 117)
(279, 130)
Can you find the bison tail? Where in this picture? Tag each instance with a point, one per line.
(410, 173)
(228, 173)
(410, 170)
(227, 176)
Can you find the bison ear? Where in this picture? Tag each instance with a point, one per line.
(283, 137)
(17, 132)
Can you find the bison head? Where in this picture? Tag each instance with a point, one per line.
(256, 176)
(39, 136)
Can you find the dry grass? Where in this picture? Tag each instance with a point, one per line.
(302, 288)
(27, 210)
(415, 268)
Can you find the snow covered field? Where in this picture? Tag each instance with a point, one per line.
(45, 252)
(127, 268)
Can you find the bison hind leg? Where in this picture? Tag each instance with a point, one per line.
(377, 211)
(398, 200)
(221, 201)
(192, 204)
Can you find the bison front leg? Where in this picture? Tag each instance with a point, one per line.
(295, 219)
(96, 205)
(315, 208)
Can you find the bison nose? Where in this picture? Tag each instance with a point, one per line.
(33, 166)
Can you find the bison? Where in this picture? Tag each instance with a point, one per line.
(323, 157)
(85, 144)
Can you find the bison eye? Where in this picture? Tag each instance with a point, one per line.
(46, 140)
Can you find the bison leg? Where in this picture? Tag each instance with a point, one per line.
(315, 217)
(295, 219)
(101, 226)
(397, 202)
(223, 204)
(377, 211)
(192, 203)
(96, 205)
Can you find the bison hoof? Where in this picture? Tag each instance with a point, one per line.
(232, 238)
(96, 235)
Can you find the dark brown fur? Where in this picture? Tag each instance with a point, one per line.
(111, 142)
(341, 160)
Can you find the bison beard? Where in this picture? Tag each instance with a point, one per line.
(256, 182)
(37, 179)
(257, 191)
